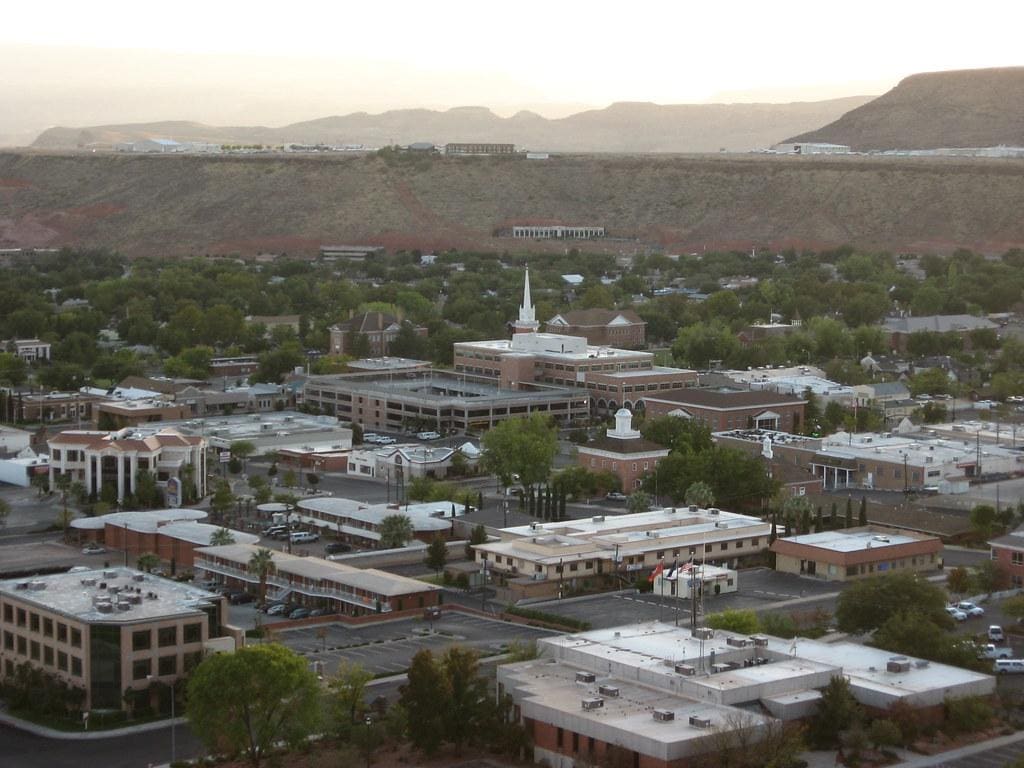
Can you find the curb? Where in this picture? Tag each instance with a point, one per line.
(955, 754)
(52, 733)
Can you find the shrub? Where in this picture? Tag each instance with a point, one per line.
(548, 618)
(779, 625)
(885, 733)
(967, 715)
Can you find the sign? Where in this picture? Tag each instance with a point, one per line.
(225, 457)
(173, 492)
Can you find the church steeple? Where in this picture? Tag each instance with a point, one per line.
(527, 322)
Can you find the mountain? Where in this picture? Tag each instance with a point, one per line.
(157, 205)
(962, 108)
(621, 127)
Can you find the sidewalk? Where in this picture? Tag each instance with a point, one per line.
(52, 733)
(955, 754)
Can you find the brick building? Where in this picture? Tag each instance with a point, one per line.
(602, 327)
(1008, 554)
(723, 409)
(379, 328)
(622, 451)
(857, 553)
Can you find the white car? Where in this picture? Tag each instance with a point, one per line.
(385, 440)
(995, 634)
(956, 613)
(970, 608)
(427, 435)
(92, 548)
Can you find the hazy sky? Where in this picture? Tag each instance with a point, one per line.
(72, 62)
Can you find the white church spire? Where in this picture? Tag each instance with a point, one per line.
(527, 322)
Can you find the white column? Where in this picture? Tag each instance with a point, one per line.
(134, 471)
(120, 477)
(99, 472)
(88, 472)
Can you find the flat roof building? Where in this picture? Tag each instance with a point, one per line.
(725, 408)
(358, 523)
(857, 553)
(107, 630)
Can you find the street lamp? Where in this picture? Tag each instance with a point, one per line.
(174, 751)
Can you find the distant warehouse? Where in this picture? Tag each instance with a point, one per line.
(479, 149)
(557, 232)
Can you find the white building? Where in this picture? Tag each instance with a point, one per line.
(30, 349)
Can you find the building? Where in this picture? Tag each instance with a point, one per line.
(107, 631)
(658, 696)
(387, 462)
(857, 553)
(349, 252)
(29, 350)
(478, 148)
(623, 451)
(758, 332)
(57, 407)
(118, 414)
(811, 148)
(273, 431)
(13, 440)
(541, 558)
(358, 523)
(385, 364)
(884, 461)
(315, 582)
(19, 469)
(233, 367)
(1008, 554)
(556, 232)
(379, 329)
(899, 329)
(724, 408)
(679, 581)
(615, 378)
(602, 327)
(270, 322)
(96, 458)
(170, 534)
(438, 400)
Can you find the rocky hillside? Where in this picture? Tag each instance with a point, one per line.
(179, 205)
(626, 127)
(965, 108)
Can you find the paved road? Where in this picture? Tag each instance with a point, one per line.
(19, 749)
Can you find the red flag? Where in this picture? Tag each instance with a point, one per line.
(656, 572)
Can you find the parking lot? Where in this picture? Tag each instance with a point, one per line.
(388, 647)
(759, 589)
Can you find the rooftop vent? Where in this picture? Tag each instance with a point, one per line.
(585, 677)
(138, 577)
(21, 585)
(693, 507)
(594, 703)
(713, 510)
(89, 582)
(37, 586)
(598, 518)
(124, 605)
(884, 539)
(737, 642)
(760, 641)
(700, 722)
(686, 670)
(898, 664)
(534, 526)
(110, 574)
(664, 715)
(719, 668)
(104, 607)
(704, 633)
(610, 691)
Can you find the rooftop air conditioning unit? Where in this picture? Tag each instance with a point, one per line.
(713, 510)
(110, 574)
(884, 539)
(138, 577)
(704, 633)
(598, 518)
(664, 715)
(104, 607)
(90, 582)
(898, 664)
(585, 677)
(593, 703)
(124, 605)
(534, 526)
(693, 507)
(21, 585)
(700, 722)
(610, 691)
(37, 586)
(760, 641)
(737, 642)
(685, 670)
(719, 668)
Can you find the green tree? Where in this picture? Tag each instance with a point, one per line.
(243, 449)
(523, 447)
(837, 712)
(862, 518)
(348, 696)
(221, 537)
(741, 622)
(910, 632)
(223, 499)
(437, 554)
(990, 576)
(476, 537)
(246, 702)
(681, 435)
(983, 519)
(868, 603)
(467, 693)
(261, 565)
(395, 531)
(425, 697)
(147, 561)
(701, 494)
(849, 513)
(638, 501)
(958, 581)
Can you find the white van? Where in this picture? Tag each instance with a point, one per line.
(1008, 666)
(428, 435)
(304, 537)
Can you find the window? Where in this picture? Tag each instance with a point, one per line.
(1017, 558)
(34, 651)
(76, 666)
(48, 627)
(76, 640)
(22, 646)
(725, 546)
(574, 566)
(22, 617)
(575, 742)
(141, 669)
(559, 737)
(62, 633)
(193, 633)
(62, 661)
(168, 665)
(47, 655)
(754, 542)
(33, 622)
(707, 547)
(142, 640)
(9, 614)
(192, 660)
(167, 636)
(8, 641)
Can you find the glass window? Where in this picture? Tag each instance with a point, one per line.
(193, 633)
(62, 661)
(76, 666)
(22, 617)
(34, 651)
(33, 622)
(76, 637)
(9, 613)
(48, 627)
(22, 646)
(8, 641)
(47, 655)
(142, 640)
(62, 632)
(168, 665)
(725, 545)
(141, 669)
(105, 666)
(167, 636)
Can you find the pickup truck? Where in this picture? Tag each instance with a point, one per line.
(991, 651)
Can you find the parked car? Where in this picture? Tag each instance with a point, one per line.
(616, 496)
(1008, 666)
(337, 546)
(305, 537)
(299, 613)
(279, 609)
(971, 609)
(385, 440)
(319, 612)
(92, 548)
(991, 651)
(956, 613)
(431, 435)
(370, 437)
(274, 530)
(237, 598)
(995, 634)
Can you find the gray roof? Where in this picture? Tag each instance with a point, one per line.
(938, 323)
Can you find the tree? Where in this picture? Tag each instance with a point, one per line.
(395, 531)
(638, 501)
(990, 576)
(983, 518)
(476, 537)
(958, 581)
(313, 479)
(147, 561)
(147, 492)
(223, 499)
(741, 622)
(1014, 607)
(523, 447)
(467, 691)
(348, 695)
(868, 603)
(838, 711)
(248, 701)
(221, 537)
(849, 512)
(243, 449)
(909, 632)
(862, 518)
(701, 494)
(437, 554)
(261, 564)
(425, 696)
(682, 435)
(289, 479)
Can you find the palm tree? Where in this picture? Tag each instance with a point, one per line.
(262, 564)
(220, 537)
(395, 531)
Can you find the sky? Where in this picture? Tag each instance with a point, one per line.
(258, 62)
